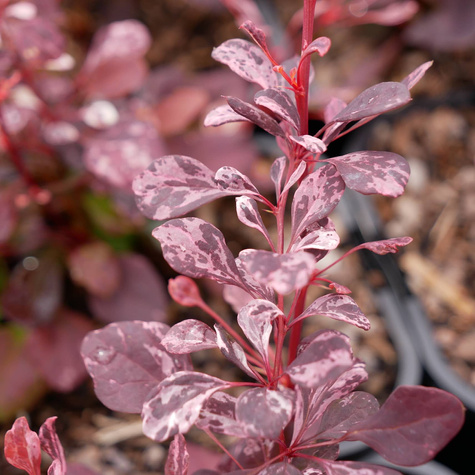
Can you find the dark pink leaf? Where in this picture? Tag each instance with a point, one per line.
(174, 185)
(189, 336)
(312, 144)
(223, 115)
(386, 246)
(280, 103)
(22, 447)
(248, 61)
(184, 291)
(141, 293)
(277, 173)
(413, 78)
(338, 307)
(323, 359)
(256, 34)
(316, 197)
(318, 236)
(255, 115)
(375, 100)
(413, 425)
(263, 412)
(248, 213)
(176, 404)
(321, 46)
(232, 350)
(368, 172)
(296, 175)
(178, 457)
(51, 444)
(252, 286)
(355, 468)
(196, 248)
(282, 272)
(233, 181)
(126, 361)
(121, 152)
(281, 468)
(256, 321)
(54, 350)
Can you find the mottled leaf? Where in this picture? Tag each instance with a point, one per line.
(189, 336)
(254, 288)
(176, 404)
(282, 272)
(385, 246)
(178, 457)
(413, 425)
(320, 45)
(248, 61)
(279, 102)
(22, 447)
(257, 34)
(51, 444)
(355, 468)
(126, 361)
(255, 115)
(334, 107)
(277, 173)
(339, 307)
(223, 115)
(233, 181)
(413, 78)
(312, 144)
(256, 321)
(375, 100)
(296, 175)
(196, 248)
(368, 172)
(316, 197)
(248, 213)
(264, 412)
(321, 236)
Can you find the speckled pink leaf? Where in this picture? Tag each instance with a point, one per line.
(223, 115)
(263, 412)
(126, 361)
(51, 444)
(176, 404)
(173, 185)
(385, 246)
(368, 172)
(256, 321)
(338, 307)
(257, 34)
(277, 173)
(375, 100)
(320, 236)
(248, 213)
(282, 272)
(178, 457)
(196, 249)
(355, 468)
(413, 78)
(248, 61)
(312, 144)
(232, 350)
(320, 45)
(322, 359)
(253, 287)
(412, 425)
(279, 102)
(296, 175)
(281, 468)
(255, 115)
(316, 197)
(233, 181)
(189, 336)
(22, 447)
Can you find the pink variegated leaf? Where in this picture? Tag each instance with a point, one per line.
(184, 291)
(375, 100)
(256, 321)
(232, 350)
(296, 175)
(323, 237)
(334, 107)
(263, 412)
(281, 468)
(196, 249)
(369, 172)
(321, 46)
(126, 361)
(322, 359)
(316, 197)
(413, 78)
(338, 307)
(247, 61)
(386, 246)
(174, 185)
(412, 425)
(22, 447)
(218, 415)
(223, 115)
(277, 174)
(282, 272)
(176, 403)
(312, 144)
(355, 468)
(189, 336)
(178, 457)
(248, 213)
(279, 102)
(233, 181)
(51, 444)
(342, 414)
(251, 285)
(255, 115)
(257, 34)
